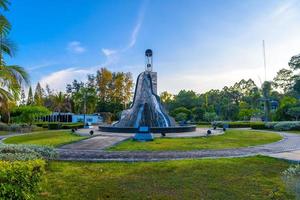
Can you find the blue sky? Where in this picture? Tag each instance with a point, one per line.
(197, 45)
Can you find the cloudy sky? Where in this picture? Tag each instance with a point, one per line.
(197, 44)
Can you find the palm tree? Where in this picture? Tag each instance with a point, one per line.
(60, 103)
(12, 77)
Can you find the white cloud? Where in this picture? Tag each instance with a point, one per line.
(137, 27)
(58, 80)
(108, 52)
(76, 47)
(41, 65)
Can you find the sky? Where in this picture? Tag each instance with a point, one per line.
(197, 45)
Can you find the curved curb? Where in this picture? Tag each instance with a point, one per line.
(289, 142)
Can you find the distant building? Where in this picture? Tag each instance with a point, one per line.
(71, 117)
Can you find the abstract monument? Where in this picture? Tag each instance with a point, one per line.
(146, 110)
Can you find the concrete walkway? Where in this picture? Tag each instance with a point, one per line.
(289, 143)
(95, 143)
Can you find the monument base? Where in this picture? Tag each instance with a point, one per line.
(143, 137)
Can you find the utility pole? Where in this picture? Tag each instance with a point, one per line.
(84, 106)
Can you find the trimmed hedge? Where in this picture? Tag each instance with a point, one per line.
(58, 125)
(258, 125)
(238, 124)
(278, 126)
(21, 179)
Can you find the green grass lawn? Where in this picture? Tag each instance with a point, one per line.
(231, 178)
(297, 132)
(47, 138)
(204, 126)
(231, 139)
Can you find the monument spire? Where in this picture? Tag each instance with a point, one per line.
(149, 60)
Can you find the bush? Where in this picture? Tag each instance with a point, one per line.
(3, 127)
(288, 125)
(58, 125)
(72, 125)
(238, 124)
(54, 126)
(26, 152)
(21, 179)
(258, 125)
(291, 177)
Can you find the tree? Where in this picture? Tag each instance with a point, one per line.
(104, 81)
(60, 103)
(30, 100)
(210, 116)
(29, 114)
(198, 114)
(38, 95)
(23, 98)
(294, 62)
(294, 112)
(284, 80)
(11, 76)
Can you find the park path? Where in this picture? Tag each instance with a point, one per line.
(96, 143)
(289, 143)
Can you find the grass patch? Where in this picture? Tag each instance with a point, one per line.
(232, 178)
(46, 138)
(231, 139)
(4, 133)
(204, 126)
(293, 131)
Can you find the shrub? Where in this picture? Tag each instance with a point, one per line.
(288, 125)
(72, 125)
(258, 125)
(238, 124)
(54, 126)
(21, 179)
(270, 125)
(25, 152)
(291, 177)
(3, 127)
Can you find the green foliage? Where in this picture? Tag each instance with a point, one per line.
(182, 110)
(28, 114)
(210, 116)
(286, 126)
(294, 112)
(294, 62)
(38, 95)
(258, 125)
(291, 177)
(62, 125)
(284, 80)
(237, 124)
(181, 117)
(20, 180)
(13, 152)
(198, 114)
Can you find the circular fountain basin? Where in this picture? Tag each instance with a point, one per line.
(172, 129)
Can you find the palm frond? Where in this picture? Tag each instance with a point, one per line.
(5, 26)
(8, 47)
(4, 4)
(19, 73)
(5, 95)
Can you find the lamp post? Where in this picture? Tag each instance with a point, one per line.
(84, 106)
